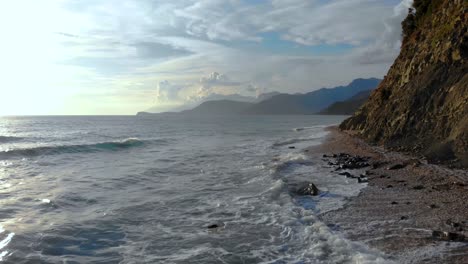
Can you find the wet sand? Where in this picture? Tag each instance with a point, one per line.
(400, 208)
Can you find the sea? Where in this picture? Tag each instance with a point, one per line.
(146, 189)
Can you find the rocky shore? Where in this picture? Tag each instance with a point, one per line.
(414, 211)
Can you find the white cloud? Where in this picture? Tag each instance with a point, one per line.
(141, 47)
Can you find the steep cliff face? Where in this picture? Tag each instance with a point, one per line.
(422, 104)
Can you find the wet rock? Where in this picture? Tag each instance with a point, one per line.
(363, 180)
(448, 236)
(215, 226)
(377, 164)
(306, 188)
(455, 225)
(396, 167)
(344, 173)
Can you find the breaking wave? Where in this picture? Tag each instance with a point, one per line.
(80, 148)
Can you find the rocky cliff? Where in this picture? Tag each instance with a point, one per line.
(421, 106)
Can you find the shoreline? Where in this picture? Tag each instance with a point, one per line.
(400, 208)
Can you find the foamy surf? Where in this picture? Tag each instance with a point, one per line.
(151, 199)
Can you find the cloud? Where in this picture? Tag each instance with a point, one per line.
(168, 92)
(387, 46)
(162, 50)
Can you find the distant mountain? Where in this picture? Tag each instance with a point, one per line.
(313, 102)
(212, 97)
(220, 107)
(266, 96)
(347, 107)
(277, 103)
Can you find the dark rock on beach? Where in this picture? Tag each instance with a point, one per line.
(448, 236)
(305, 188)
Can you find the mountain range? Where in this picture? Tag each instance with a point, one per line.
(281, 104)
(347, 107)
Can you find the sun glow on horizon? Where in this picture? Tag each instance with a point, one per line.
(32, 81)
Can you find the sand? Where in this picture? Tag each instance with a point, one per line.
(399, 209)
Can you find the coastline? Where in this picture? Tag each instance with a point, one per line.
(400, 208)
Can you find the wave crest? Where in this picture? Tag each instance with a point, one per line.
(79, 148)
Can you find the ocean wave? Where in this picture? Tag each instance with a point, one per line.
(316, 136)
(292, 141)
(5, 139)
(79, 148)
(297, 129)
(289, 161)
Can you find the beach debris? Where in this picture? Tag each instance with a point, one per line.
(448, 236)
(418, 187)
(404, 217)
(389, 186)
(306, 188)
(433, 206)
(396, 167)
(292, 147)
(394, 202)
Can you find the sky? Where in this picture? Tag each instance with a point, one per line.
(85, 57)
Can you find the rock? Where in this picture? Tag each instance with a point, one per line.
(431, 67)
(448, 236)
(344, 173)
(394, 203)
(455, 225)
(433, 206)
(215, 225)
(363, 180)
(389, 186)
(307, 188)
(292, 147)
(404, 217)
(396, 167)
(418, 187)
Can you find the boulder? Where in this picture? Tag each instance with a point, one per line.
(448, 236)
(306, 188)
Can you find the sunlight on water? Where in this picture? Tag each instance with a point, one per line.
(128, 189)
